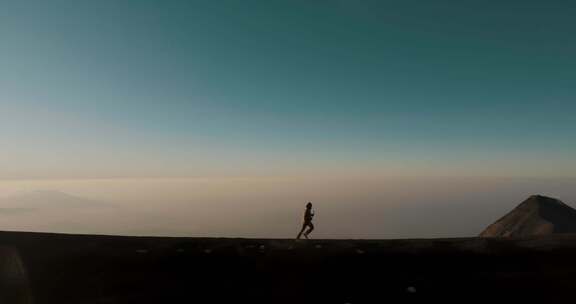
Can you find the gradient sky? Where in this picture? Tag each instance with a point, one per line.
(396, 118)
(96, 89)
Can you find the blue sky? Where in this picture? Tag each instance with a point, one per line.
(193, 88)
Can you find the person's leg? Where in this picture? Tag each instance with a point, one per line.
(310, 228)
(301, 231)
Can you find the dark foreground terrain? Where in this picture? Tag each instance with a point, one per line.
(57, 268)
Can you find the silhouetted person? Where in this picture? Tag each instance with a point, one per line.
(308, 215)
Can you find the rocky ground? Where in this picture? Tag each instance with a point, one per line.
(57, 268)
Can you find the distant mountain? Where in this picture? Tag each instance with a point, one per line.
(14, 211)
(538, 215)
(42, 199)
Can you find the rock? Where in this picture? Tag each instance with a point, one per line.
(536, 216)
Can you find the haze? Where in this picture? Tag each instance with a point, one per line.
(269, 207)
(397, 119)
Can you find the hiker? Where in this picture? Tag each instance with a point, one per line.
(307, 221)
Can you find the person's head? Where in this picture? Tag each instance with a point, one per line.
(309, 205)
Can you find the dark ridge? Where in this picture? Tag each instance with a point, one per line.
(40, 268)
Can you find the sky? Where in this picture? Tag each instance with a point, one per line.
(143, 90)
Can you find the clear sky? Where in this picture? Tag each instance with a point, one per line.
(240, 88)
(397, 118)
